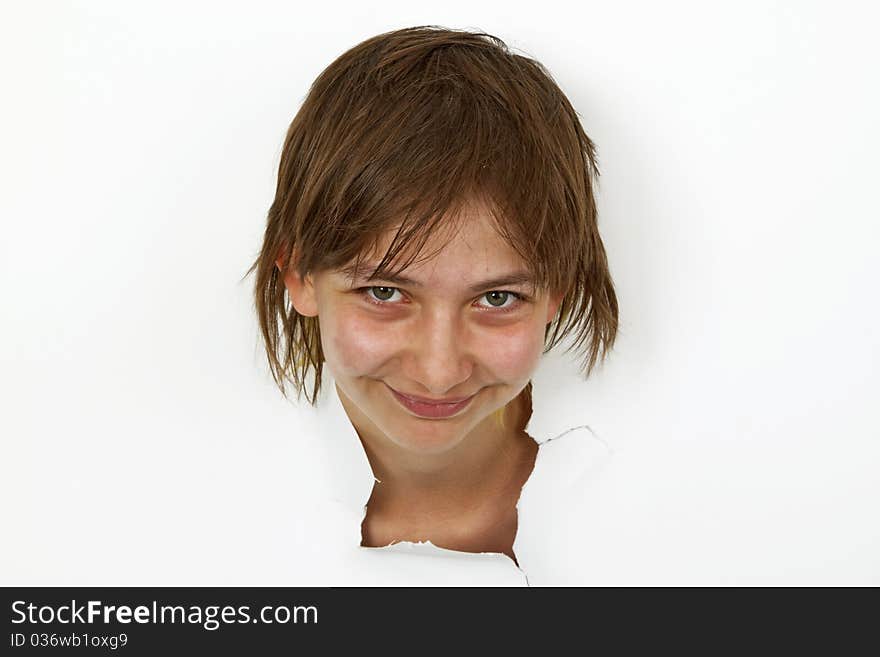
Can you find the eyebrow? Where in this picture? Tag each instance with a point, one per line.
(513, 278)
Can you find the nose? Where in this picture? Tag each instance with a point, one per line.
(439, 358)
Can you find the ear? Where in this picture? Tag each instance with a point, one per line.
(301, 289)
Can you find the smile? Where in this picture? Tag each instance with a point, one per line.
(430, 410)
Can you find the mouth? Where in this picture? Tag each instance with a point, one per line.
(431, 409)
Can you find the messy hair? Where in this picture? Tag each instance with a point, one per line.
(402, 132)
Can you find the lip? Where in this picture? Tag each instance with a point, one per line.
(431, 409)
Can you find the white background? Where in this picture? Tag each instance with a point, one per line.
(738, 204)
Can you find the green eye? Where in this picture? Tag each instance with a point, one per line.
(383, 293)
(497, 298)
(500, 301)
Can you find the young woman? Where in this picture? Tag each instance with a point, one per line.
(433, 234)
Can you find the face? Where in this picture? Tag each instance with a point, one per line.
(464, 325)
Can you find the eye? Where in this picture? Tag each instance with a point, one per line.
(380, 294)
(498, 300)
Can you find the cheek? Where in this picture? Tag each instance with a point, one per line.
(513, 353)
(355, 345)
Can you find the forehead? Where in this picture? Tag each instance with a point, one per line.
(459, 252)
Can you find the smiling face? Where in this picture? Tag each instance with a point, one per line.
(466, 324)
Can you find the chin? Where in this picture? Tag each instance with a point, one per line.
(427, 437)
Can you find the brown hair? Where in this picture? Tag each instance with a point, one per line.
(404, 130)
